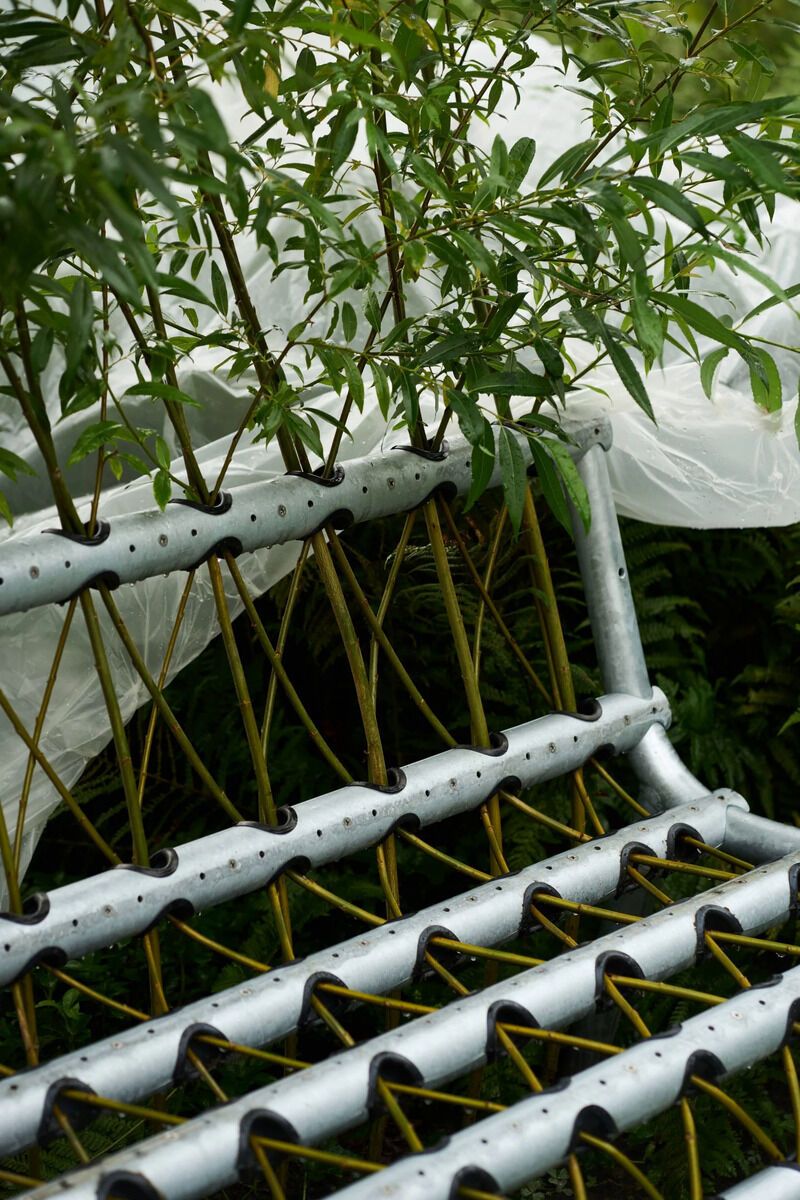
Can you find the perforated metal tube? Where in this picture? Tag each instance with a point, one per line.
(503, 1152)
(208, 1152)
(142, 1060)
(103, 909)
(47, 567)
(779, 1182)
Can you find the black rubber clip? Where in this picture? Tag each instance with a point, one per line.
(329, 481)
(163, 863)
(108, 578)
(287, 819)
(396, 777)
(84, 539)
(221, 505)
(498, 744)
(431, 455)
(34, 909)
(589, 709)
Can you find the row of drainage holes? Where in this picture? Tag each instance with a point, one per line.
(164, 540)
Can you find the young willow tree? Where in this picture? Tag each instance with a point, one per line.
(302, 197)
(145, 145)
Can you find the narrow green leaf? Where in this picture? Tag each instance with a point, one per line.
(162, 489)
(175, 285)
(92, 438)
(220, 289)
(512, 383)
(760, 161)
(355, 381)
(765, 379)
(382, 391)
(627, 371)
(576, 489)
(709, 367)
(476, 252)
(162, 391)
(515, 479)
(5, 510)
(471, 420)
(240, 16)
(668, 198)
(520, 157)
(552, 489)
(81, 317)
(430, 179)
(567, 162)
(349, 321)
(703, 321)
(12, 465)
(163, 455)
(647, 324)
(482, 464)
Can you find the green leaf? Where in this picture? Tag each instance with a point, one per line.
(12, 465)
(92, 438)
(163, 454)
(709, 367)
(349, 321)
(174, 285)
(355, 381)
(703, 321)
(668, 198)
(765, 379)
(240, 16)
(81, 318)
(791, 721)
(476, 252)
(630, 247)
(482, 464)
(520, 157)
(382, 390)
(760, 161)
(717, 119)
(621, 360)
(550, 480)
(740, 262)
(162, 391)
(133, 460)
(567, 162)
(471, 420)
(219, 288)
(576, 489)
(5, 510)
(373, 312)
(431, 180)
(514, 475)
(162, 488)
(451, 348)
(512, 383)
(647, 324)
(307, 430)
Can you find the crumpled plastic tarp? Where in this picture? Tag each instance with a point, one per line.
(707, 464)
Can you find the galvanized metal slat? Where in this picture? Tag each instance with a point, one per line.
(779, 1182)
(50, 567)
(138, 1062)
(500, 1153)
(208, 1152)
(98, 911)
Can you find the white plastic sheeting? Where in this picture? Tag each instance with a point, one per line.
(708, 464)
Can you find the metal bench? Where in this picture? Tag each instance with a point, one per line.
(426, 1047)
